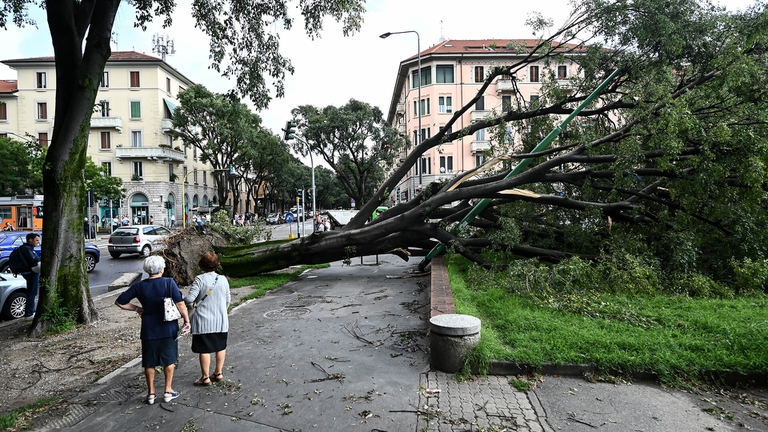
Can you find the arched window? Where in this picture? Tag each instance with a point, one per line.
(195, 201)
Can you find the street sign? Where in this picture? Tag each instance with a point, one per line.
(352, 202)
(289, 217)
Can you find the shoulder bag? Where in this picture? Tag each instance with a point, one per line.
(171, 311)
(195, 304)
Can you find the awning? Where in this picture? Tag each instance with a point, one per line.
(171, 106)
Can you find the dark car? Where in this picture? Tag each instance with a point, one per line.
(10, 240)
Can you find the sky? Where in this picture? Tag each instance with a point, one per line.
(330, 70)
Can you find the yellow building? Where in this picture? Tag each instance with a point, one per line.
(130, 133)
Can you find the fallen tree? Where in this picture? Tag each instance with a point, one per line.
(668, 163)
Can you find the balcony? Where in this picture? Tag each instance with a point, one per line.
(504, 85)
(478, 115)
(107, 122)
(401, 128)
(480, 146)
(401, 108)
(166, 125)
(151, 153)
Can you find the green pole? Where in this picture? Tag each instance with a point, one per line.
(480, 206)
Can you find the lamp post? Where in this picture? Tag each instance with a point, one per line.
(184, 194)
(418, 48)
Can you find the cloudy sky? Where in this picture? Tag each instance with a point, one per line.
(330, 70)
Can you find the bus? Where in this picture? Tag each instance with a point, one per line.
(23, 212)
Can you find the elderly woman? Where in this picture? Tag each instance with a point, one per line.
(210, 324)
(158, 337)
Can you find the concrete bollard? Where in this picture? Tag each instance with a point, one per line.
(452, 337)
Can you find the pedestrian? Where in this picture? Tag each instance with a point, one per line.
(8, 227)
(158, 337)
(136, 219)
(318, 222)
(87, 229)
(173, 220)
(151, 220)
(210, 323)
(115, 223)
(31, 260)
(126, 221)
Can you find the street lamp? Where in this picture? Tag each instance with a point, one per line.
(184, 194)
(418, 48)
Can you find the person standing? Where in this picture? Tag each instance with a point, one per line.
(158, 337)
(30, 258)
(115, 223)
(210, 323)
(151, 220)
(173, 220)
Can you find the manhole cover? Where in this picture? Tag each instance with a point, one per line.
(287, 313)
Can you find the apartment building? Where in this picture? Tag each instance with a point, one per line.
(130, 133)
(453, 71)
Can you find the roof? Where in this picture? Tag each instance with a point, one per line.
(115, 57)
(9, 86)
(470, 47)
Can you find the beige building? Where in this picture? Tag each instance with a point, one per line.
(130, 133)
(453, 73)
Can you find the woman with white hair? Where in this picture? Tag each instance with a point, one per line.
(158, 337)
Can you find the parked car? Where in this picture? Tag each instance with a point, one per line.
(13, 296)
(275, 219)
(137, 239)
(11, 240)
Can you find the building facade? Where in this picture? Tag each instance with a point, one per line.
(130, 134)
(453, 71)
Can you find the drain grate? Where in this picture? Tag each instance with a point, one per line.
(295, 312)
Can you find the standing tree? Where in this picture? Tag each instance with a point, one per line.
(259, 160)
(246, 25)
(103, 185)
(354, 140)
(667, 164)
(18, 175)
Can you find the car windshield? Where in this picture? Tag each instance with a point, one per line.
(125, 232)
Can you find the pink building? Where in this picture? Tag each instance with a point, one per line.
(453, 73)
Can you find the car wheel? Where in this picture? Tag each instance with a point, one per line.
(145, 251)
(14, 305)
(90, 262)
(5, 269)
(115, 254)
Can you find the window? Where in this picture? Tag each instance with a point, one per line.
(426, 77)
(104, 108)
(480, 104)
(416, 137)
(185, 175)
(534, 100)
(195, 176)
(106, 141)
(480, 135)
(3, 135)
(506, 103)
(194, 155)
(562, 72)
(426, 166)
(479, 159)
(136, 139)
(42, 110)
(181, 89)
(3, 111)
(5, 213)
(42, 139)
(205, 178)
(444, 74)
(167, 84)
(135, 81)
(104, 80)
(138, 171)
(171, 175)
(135, 109)
(107, 168)
(425, 106)
(41, 81)
(533, 73)
(169, 140)
(479, 74)
(444, 104)
(446, 164)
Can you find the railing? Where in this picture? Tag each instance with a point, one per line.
(151, 153)
(166, 125)
(478, 115)
(479, 146)
(504, 85)
(107, 122)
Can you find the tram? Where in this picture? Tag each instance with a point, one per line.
(23, 212)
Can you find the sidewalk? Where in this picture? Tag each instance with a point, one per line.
(346, 349)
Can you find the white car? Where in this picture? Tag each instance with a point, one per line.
(13, 296)
(137, 239)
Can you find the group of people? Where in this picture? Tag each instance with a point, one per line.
(244, 219)
(209, 323)
(322, 223)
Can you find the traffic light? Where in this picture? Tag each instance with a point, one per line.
(232, 170)
(290, 130)
(309, 193)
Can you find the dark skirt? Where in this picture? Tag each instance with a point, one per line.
(159, 352)
(209, 343)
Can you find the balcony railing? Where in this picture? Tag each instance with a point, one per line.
(401, 128)
(401, 107)
(107, 122)
(478, 115)
(479, 146)
(166, 125)
(151, 153)
(504, 85)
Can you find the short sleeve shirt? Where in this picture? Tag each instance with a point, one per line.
(150, 292)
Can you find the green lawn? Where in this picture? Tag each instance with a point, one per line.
(677, 337)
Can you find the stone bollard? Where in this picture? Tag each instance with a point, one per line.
(452, 337)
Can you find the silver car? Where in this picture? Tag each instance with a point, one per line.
(13, 296)
(137, 239)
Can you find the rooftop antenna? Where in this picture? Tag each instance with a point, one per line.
(163, 45)
(442, 38)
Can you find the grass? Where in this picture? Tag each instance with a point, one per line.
(12, 419)
(267, 282)
(676, 337)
